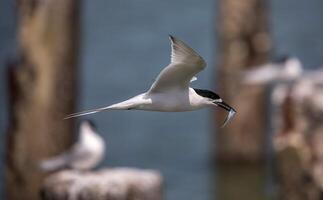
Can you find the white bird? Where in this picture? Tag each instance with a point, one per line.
(85, 154)
(285, 69)
(171, 92)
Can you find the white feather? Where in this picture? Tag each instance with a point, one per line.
(85, 154)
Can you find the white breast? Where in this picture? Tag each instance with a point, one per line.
(174, 101)
(88, 152)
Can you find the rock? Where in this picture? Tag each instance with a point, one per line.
(105, 184)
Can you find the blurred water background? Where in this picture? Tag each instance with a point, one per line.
(125, 45)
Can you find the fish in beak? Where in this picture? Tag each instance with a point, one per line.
(231, 111)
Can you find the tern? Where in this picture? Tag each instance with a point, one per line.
(171, 91)
(85, 154)
(285, 69)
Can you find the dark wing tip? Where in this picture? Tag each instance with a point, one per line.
(171, 38)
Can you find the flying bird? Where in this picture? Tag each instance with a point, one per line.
(285, 69)
(85, 154)
(171, 91)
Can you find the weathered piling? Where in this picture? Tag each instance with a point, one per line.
(298, 141)
(42, 91)
(106, 184)
(244, 42)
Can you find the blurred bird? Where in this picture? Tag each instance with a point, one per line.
(171, 92)
(85, 154)
(285, 69)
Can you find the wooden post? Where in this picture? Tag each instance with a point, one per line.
(42, 91)
(298, 142)
(244, 41)
(106, 184)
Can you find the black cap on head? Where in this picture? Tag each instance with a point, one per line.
(207, 94)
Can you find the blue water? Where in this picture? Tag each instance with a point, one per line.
(125, 45)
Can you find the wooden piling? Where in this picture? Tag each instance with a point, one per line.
(243, 42)
(42, 90)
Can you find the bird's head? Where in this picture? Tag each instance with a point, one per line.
(89, 124)
(215, 99)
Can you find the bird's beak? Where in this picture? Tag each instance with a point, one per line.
(231, 111)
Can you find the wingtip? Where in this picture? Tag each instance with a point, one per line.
(171, 38)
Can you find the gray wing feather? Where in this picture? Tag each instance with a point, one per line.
(185, 64)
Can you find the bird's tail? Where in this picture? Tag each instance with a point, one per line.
(125, 105)
(87, 112)
(53, 164)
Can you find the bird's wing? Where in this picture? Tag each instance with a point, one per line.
(185, 63)
(314, 75)
(55, 163)
(262, 75)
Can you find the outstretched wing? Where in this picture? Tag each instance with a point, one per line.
(185, 64)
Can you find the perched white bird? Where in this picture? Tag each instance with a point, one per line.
(171, 92)
(85, 154)
(285, 69)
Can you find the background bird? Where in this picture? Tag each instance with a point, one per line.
(85, 154)
(171, 92)
(283, 76)
(283, 69)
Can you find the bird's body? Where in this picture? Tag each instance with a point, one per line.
(172, 101)
(85, 154)
(171, 92)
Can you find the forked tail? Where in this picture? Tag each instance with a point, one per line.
(125, 105)
(86, 112)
